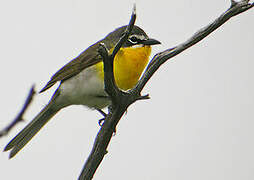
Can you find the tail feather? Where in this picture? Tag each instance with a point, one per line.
(22, 138)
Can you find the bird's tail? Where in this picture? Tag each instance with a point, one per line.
(24, 136)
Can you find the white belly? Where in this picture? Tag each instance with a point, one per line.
(85, 88)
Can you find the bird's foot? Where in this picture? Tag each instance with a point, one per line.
(101, 121)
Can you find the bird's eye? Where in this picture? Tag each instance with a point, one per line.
(133, 40)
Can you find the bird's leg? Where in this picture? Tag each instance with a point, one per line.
(101, 121)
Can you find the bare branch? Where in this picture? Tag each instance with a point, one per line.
(115, 112)
(162, 57)
(121, 100)
(127, 32)
(19, 117)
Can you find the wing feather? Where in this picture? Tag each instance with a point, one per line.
(86, 59)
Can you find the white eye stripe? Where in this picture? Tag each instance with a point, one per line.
(137, 46)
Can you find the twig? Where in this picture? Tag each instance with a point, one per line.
(19, 117)
(121, 100)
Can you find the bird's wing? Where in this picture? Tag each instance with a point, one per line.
(86, 59)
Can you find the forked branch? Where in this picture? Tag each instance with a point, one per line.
(121, 100)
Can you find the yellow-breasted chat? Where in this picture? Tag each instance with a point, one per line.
(82, 80)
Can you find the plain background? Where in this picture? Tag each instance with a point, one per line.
(198, 123)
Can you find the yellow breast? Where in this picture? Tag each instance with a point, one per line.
(129, 64)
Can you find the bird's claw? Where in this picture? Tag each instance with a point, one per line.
(101, 121)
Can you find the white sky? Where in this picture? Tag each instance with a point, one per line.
(200, 119)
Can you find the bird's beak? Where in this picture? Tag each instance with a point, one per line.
(151, 42)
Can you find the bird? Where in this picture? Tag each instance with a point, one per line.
(82, 80)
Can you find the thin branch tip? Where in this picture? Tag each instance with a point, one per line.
(125, 36)
(144, 97)
(134, 10)
(19, 117)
